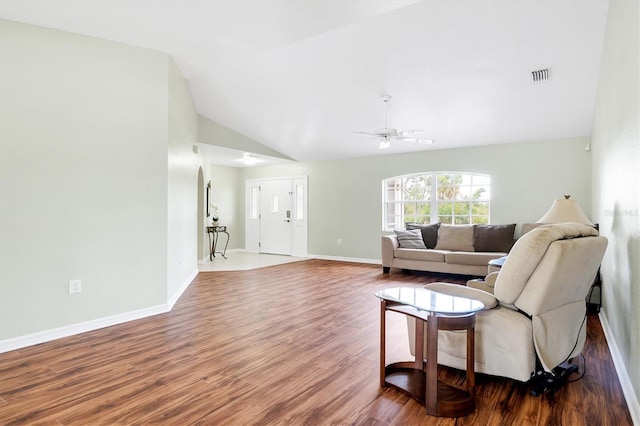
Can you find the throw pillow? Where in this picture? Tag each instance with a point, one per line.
(455, 237)
(496, 238)
(410, 239)
(429, 232)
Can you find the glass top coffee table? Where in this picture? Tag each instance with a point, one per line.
(419, 378)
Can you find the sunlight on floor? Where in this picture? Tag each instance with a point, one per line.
(242, 261)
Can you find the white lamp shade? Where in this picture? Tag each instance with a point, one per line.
(565, 210)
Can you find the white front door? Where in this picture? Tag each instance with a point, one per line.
(276, 216)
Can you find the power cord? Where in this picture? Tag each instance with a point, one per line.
(584, 370)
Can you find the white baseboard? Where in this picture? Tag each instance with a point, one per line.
(346, 259)
(174, 298)
(7, 345)
(625, 381)
(14, 343)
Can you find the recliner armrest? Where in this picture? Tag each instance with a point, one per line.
(491, 279)
(487, 299)
(487, 284)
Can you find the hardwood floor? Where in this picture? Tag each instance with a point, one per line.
(284, 345)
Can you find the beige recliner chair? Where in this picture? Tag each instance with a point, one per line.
(535, 319)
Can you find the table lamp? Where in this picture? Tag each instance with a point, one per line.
(565, 210)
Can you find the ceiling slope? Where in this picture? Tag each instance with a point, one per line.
(301, 77)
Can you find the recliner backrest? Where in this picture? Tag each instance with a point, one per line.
(563, 276)
(547, 256)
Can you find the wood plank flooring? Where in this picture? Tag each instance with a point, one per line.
(295, 344)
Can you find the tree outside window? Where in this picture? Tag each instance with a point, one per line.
(446, 197)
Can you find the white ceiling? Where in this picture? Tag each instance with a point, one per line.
(302, 76)
(222, 156)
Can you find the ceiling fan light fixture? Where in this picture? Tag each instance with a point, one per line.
(386, 134)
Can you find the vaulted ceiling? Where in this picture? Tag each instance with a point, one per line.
(301, 76)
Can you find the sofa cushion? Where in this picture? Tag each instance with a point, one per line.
(410, 238)
(455, 237)
(494, 237)
(429, 232)
(422, 255)
(471, 258)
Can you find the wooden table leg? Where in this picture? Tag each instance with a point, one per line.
(419, 345)
(383, 314)
(431, 376)
(471, 376)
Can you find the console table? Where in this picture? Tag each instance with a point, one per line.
(214, 233)
(419, 379)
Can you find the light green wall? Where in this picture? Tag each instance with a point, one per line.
(91, 187)
(227, 191)
(212, 133)
(345, 195)
(616, 181)
(182, 189)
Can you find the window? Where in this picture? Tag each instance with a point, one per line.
(447, 197)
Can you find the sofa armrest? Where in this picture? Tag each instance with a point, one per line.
(389, 244)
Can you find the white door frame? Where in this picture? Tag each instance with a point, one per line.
(299, 219)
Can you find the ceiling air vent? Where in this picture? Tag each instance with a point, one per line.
(539, 76)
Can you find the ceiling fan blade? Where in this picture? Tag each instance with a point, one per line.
(424, 141)
(367, 133)
(410, 132)
(414, 139)
(387, 132)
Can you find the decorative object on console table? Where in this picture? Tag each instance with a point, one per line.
(568, 210)
(215, 214)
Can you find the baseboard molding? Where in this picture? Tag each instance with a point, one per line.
(346, 259)
(174, 298)
(7, 345)
(625, 381)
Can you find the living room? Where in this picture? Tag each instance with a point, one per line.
(97, 142)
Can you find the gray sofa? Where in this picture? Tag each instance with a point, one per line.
(453, 249)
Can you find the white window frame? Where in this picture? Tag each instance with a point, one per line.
(397, 206)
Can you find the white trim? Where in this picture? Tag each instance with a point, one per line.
(345, 259)
(14, 343)
(625, 381)
(172, 301)
(7, 345)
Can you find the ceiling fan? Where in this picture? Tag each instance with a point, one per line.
(386, 134)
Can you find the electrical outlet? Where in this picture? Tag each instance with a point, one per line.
(339, 241)
(75, 286)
